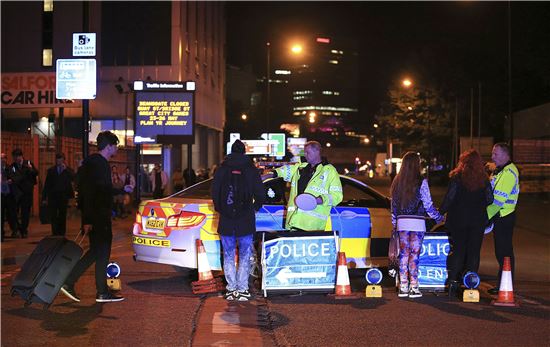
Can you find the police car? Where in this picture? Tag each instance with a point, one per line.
(165, 230)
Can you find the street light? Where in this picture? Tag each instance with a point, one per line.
(244, 116)
(296, 49)
(407, 83)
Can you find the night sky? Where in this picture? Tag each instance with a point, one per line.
(455, 43)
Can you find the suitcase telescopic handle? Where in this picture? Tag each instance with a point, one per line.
(80, 232)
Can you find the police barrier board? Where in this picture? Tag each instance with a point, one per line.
(307, 262)
(432, 267)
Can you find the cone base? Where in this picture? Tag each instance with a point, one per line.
(351, 296)
(505, 304)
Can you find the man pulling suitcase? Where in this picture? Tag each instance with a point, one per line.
(96, 200)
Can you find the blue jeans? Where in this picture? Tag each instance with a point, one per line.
(237, 279)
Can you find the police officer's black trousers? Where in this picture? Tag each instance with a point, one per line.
(502, 234)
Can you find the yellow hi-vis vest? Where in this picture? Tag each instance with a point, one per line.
(505, 191)
(324, 182)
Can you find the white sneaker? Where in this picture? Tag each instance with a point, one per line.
(415, 293)
(403, 291)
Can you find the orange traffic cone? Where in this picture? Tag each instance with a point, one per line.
(205, 273)
(343, 288)
(506, 291)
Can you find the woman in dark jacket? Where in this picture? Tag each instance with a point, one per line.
(468, 195)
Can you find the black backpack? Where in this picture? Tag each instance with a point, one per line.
(234, 193)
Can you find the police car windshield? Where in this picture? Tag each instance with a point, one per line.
(201, 190)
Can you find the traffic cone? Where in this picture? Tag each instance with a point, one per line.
(205, 273)
(343, 288)
(506, 291)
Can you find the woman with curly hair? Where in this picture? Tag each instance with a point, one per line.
(411, 200)
(468, 195)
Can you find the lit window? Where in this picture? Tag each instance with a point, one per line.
(48, 5)
(47, 57)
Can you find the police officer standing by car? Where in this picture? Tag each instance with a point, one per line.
(316, 177)
(96, 190)
(502, 212)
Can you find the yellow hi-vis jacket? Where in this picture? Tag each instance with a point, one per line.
(325, 182)
(505, 191)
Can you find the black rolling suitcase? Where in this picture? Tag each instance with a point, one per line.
(46, 270)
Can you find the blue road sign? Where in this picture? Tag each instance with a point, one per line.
(299, 263)
(432, 267)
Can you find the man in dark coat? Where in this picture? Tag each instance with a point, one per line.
(237, 183)
(96, 198)
(22, 175)
(58, 189)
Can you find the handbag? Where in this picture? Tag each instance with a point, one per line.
(393, 254)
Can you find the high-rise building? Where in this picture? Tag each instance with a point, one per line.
(153, 40)
(324, 82)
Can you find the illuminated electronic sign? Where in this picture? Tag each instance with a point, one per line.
(164, 112)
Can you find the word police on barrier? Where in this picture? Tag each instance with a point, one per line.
(304, 262)
(432, 267)
(84, 45)
(165, 112)
(75, 79)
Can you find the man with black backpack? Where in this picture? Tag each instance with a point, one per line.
(237, 192)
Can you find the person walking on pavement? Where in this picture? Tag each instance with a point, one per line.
(97, 204)
(316, 177)
(7, 199)
(468, 195)
(502, 212)
(177, 179)
(237, 192)
(410, 201)
(118, 192)
(22, 175)
(159, 180)
(190, 177)
(58, 189)
(129, 186)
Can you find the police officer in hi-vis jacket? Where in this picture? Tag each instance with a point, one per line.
(316, 177)
(505, 183)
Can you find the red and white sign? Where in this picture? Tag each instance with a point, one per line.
(31, 90)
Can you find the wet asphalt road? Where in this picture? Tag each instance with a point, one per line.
(160, 310)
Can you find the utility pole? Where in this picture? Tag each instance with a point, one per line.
(471, 117)
(85, 102)
(479, 117)
(268, 77)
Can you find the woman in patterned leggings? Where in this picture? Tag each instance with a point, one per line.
(411, 200)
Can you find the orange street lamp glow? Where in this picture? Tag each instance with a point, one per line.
(296, 49)
(244, 117)
(407, 82)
